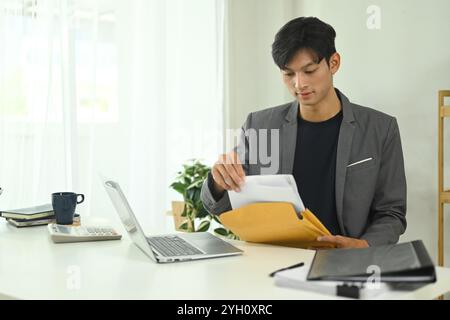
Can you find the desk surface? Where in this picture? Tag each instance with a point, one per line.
(33, 267)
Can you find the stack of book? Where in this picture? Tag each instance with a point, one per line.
(33, 216)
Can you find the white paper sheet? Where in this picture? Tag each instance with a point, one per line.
(297, 279)
(267, 188)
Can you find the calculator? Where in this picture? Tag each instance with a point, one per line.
(63, 234)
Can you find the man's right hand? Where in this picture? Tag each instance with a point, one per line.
(228, 173)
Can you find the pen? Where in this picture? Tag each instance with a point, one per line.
(301, 264)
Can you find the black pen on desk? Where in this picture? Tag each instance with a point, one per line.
(301, 264)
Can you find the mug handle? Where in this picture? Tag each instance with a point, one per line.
(82, 198)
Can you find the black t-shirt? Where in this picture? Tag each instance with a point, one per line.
(315, 168)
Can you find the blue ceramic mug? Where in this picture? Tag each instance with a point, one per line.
(64, 204)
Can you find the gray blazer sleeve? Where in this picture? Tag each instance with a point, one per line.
(211, 203)
(388, 210)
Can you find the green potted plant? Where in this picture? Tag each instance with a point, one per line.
(189, 184)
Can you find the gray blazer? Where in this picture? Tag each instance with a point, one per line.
(370, 195)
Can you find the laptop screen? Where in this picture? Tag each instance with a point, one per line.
(127, 217)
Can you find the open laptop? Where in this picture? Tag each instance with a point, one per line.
(167, 248)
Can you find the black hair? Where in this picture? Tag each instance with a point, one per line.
(308, 33)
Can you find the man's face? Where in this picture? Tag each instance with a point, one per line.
(308, 81)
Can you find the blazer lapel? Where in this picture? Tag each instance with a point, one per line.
(288, 139)
(343, 154)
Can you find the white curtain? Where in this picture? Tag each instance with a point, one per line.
(131, 89)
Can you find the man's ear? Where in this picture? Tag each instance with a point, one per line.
(335, 62)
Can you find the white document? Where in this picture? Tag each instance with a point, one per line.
(267, 188)
(296, 279)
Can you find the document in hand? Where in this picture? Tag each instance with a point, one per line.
(269, 210)
(267, 188)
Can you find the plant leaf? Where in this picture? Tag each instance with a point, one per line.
(189, 204)
(190, 194)
(189, 183)
(185, 212)
(216, 218)
(204, 226)
(221, 231)
(202, 212)
(184, 226)
(195, 184)
(232, 236)
(178, 187)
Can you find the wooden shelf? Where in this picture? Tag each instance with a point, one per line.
(445, 111)
(445, 196)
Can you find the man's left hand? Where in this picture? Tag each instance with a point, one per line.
(344, 242)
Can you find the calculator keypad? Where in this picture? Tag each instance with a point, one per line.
(76, 234)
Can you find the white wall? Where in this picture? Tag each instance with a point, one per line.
(397, 69)
(252, 81)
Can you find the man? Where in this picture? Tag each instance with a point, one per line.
(346, 159)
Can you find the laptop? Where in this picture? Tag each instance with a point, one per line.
(171, 247)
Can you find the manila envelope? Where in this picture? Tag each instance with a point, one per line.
(276, 223)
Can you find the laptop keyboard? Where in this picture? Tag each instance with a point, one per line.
(173, 246)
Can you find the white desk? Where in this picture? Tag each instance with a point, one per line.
(33, 267)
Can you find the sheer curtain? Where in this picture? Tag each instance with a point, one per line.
(130, 89)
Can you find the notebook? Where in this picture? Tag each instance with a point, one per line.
(29, 213)
(21, 223)
(407, 262)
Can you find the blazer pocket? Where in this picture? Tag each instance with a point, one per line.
(361, 164)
